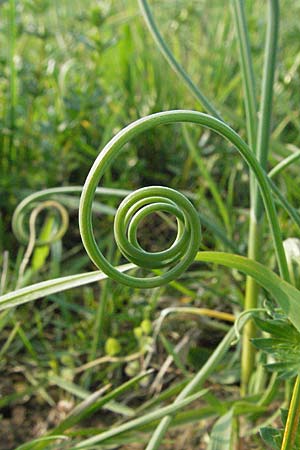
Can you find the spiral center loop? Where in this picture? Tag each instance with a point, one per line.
(136, 206)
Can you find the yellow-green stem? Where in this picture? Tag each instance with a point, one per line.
(292, 419)
(261, 150)
(251, 300)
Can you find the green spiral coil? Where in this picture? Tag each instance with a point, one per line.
(147, 200)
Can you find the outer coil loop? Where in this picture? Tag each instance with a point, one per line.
(132, 210)
(188, 219)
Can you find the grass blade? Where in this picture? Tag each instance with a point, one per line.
(45, 288)
(93, 403)
(147, 418)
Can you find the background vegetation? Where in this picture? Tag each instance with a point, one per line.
(73, 74)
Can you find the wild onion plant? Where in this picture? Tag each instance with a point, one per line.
(281, 322)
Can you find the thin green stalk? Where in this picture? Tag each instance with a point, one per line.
(94, 403)
(292, 422)
(251, 121)
(12, 157)
(284, 164)
(140, 421)
(265, 115)
(251, 301)
(32, 236)
(291, 211)
(9, 340)
(99, 323)
(193, 385)
(247, 71)
(100, 319)
(256, 216)
(178, 69)
(252, 289)
(271, 391)
(49, 287)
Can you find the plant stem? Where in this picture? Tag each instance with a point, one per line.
(99, 327)
(251, 297)
(178, 69)
(292, 419)
(252, 289)
(256, 216)
(271, 391)
(247, 70)
(264, 125)
(11, 157)
(284, 164)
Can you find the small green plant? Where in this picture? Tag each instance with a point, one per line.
(281, 320)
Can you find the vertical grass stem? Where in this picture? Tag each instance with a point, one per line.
(262, 150)
(12, 80)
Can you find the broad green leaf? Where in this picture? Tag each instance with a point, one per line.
(283, 345)
(272, 437)
(278, 328)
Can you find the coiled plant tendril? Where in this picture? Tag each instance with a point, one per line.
(132, 210)
(147, 200)
(58, 234)
(33, 205)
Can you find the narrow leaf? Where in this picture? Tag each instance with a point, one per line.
(147, 418)
(39, 290)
